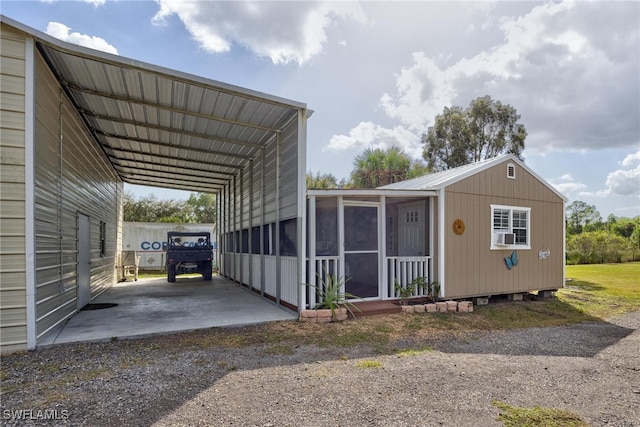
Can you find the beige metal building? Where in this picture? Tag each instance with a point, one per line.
(77, 123)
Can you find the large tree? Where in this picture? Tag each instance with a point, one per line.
(376, 167)
(582, 217)
(203, 208)
(486, 129)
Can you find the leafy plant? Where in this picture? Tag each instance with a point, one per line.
(432, 289)
(330, 294)
(405, 292)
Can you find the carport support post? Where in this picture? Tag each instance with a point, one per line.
(250, 227)
(262, 200)
(311, 215)
(277, 233)
(302, 209)
(234, 229)
(241, 225)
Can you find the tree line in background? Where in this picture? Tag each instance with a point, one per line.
(198, 208)
(592, 240)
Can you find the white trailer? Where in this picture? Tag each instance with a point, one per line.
(149, 240)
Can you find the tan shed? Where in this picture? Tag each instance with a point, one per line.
(488, 228)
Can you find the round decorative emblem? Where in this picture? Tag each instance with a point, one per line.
(458, 226)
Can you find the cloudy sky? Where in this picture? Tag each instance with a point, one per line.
(377, 73)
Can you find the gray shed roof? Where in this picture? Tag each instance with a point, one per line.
(442, 179)
(160, 127)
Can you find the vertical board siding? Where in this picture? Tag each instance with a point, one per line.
(13, 300)
(255, 276)
(270, 275)
(71, 177)
(289, 280)
(472, 269)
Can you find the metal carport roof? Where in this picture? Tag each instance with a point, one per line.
(161, 127)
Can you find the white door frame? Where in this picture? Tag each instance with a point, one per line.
(341, 205)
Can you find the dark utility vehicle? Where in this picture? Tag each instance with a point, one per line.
(189, 253)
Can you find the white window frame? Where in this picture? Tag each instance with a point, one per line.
(510, 228)
(511, 171)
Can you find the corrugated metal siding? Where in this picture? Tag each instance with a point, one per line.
(246, 196)
(13, 309)
(270, 182)
(472, 269)
(257, 190)
(289, 172)
(75, 179)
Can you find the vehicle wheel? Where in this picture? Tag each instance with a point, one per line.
(171, 273)
(207, 272)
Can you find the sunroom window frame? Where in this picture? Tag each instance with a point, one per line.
(494, 232)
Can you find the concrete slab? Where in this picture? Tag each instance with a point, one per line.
(154, 306)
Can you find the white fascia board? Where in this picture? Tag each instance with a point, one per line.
(372, 192)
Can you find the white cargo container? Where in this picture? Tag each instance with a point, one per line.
(149, 240)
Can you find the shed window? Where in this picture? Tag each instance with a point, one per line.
(510, 227)
(511, 171)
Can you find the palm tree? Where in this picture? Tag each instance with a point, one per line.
(376, 167)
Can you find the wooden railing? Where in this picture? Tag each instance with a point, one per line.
(324, 266)
(404, 270)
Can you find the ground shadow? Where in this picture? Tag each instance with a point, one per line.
(584, 339)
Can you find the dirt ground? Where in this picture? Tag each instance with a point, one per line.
(590, 369)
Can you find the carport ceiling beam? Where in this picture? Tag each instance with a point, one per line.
(136, 164)
(162, 156)
(160, 180)
(168, 145)
(170, 130)
(199, 189)
(127, 99)
(151, 173)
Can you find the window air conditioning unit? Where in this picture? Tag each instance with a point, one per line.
(505, 239)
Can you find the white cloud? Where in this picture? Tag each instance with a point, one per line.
(622, 182)
(284, 31)
(575, 86)
(630, 159)
(62, 32)
(370, 135)
(566, 184)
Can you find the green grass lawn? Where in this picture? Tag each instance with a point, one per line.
(602, 290)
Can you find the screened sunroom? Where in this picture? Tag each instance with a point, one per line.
(370, 239)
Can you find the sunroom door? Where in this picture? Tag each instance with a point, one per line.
(361, 249)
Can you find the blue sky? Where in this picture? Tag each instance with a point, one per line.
(377, 73)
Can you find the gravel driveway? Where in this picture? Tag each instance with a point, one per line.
(591, 369)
